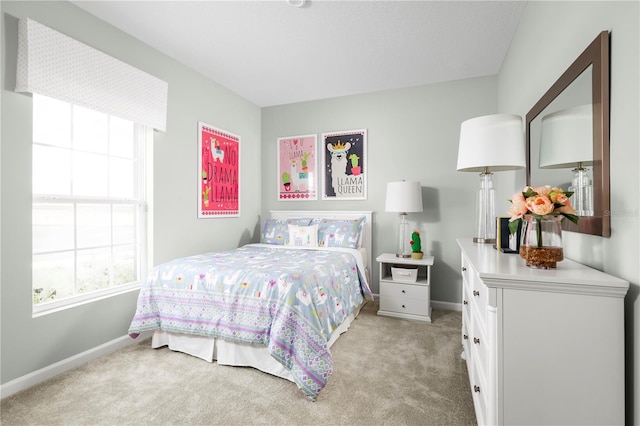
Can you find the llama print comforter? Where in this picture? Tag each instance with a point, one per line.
(289, 299)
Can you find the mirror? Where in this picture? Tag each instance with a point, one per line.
(583, 87)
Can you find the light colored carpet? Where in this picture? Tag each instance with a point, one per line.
(387, 371)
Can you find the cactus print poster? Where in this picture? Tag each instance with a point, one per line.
(218, 173)
(344, 165)
(297, 176)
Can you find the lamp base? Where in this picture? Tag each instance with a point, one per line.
(402, 248)
(485, 211)
(484, 240)
(582, 188)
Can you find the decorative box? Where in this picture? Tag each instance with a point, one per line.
(404, 274)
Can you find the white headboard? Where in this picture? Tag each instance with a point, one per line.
(334, 214)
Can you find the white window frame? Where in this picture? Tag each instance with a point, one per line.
(144, 155)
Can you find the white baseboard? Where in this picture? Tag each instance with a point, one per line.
(39, 376)
(446, 306)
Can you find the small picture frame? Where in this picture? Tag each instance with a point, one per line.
(505, 241)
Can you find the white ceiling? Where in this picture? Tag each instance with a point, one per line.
(273, 53)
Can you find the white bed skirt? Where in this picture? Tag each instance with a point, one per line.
(232, 353)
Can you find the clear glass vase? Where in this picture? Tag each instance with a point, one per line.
(541, 242)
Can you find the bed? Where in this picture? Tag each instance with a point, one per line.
(277, 306)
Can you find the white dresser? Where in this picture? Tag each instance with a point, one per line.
(542, 346)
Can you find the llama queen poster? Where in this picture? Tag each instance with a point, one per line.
(297, 176)
(344, 165)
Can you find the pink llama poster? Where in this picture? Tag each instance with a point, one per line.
(218, 173)
(297, 177)
(344, 165)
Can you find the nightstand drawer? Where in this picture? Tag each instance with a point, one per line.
(409, 291)
(403, 305)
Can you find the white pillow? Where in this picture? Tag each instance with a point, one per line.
(303, 236)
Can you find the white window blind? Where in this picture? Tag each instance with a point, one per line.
(55, 65)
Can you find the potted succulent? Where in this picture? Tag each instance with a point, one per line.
(355, 169)
(305, 168)
(416, 246)
(205, 196)
(286, 181)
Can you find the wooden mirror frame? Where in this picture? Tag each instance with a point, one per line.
(596, 55)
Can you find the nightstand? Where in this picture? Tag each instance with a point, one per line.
(405, 298)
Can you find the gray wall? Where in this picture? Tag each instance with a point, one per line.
(412, 134)
(29, 344)
(550, 36)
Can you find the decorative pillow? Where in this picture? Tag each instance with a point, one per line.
(276, 231)
(339, 232)
(303, 236)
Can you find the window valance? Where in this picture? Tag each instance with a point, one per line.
(55, 65)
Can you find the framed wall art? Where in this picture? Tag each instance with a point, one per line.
(344, 165)
(297, 165)
(218, 172)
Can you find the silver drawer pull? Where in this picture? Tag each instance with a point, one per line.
(403, 291)
(464, 269)
(465, 302)
(465, 337)
(476, 340)
(404, 306)
(476, 388)
(476, 293)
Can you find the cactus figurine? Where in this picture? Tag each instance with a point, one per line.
(416, 246)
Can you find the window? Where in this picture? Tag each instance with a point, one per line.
(89, 205)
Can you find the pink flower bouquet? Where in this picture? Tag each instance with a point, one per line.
(540, 201)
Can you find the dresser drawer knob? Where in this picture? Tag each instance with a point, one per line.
(403, 291)
(465, 302)
(464, 269)
(476, 388)
(465, 337)
(476, 340)
(404, 306)
(476, 293)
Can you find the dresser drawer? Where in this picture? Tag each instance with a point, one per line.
(479, 292)
(410, 291)
(466, 302)
(465, 340)
(479, 393)
(466, 267)
(478, 346)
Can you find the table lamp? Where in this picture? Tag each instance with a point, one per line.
(403, 197)
(566, 141)
(490, 143)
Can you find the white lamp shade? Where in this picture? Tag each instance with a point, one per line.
(493, 141)
(566, 138)
(403, 197)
